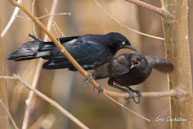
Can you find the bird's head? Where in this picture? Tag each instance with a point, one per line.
(118, 41)
(138, 61)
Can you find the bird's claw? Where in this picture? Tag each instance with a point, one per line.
(85, 81)
(131, 95)
(98, 91)
(138, 96)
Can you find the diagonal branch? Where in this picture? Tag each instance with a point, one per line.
(123, 25)
(58, 45)
(147, 6)
(37, 71)
(76, 65)
(14, 15)
(172, 93)
(74, 62)
(161, 11)
(9, 114)
(108, 94)
(52, 102)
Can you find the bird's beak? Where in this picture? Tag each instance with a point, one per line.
(134, 63)
(132, 48)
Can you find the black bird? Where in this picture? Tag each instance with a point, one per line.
(89, 50)
(131, 69)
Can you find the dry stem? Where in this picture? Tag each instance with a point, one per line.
(125, 26)
(108, 94)
(38, 70)
(9, 114)
(44, 97)
(12, 19)
(76, 65)
(147, 6)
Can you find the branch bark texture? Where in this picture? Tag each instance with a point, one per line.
(178, 52)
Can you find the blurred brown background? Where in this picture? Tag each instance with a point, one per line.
(65, 87)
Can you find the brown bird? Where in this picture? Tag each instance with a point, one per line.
(131, 69)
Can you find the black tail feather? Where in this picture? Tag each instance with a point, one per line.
(30, 50)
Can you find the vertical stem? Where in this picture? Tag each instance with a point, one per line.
(37, 73)
(178, 52)
(3, 91)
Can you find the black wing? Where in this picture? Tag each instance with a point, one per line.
(116, 67)
(119, 66)
(86, 54)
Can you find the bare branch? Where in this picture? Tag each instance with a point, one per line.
(28, 101)
(172, 93)
(47, 99)
(125, 26)
(145, 94)
(9, 114)
(126, 108)
(147, 6)
(38, 70)
(15, 12)
(110, 94)
(56, 14)
(58, 45)
(44, 16)
(33, 24)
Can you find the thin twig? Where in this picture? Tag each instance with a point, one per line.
(15, 12)
(44, 16)
(125, 26)
(147, 6)
(33, 24)
(126, 107)
(28, 101)
(9, 114)
(56, 27)
(47, 99)
(56, 14)
(144, 94)
(172, 93)
(61, 48)
(38, 70)
(108, 94)
(58, 45)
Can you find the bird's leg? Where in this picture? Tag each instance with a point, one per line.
(85, 81)
(131, 95)
(97, 91)
(138, 95)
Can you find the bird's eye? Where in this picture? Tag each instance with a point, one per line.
(123, 43)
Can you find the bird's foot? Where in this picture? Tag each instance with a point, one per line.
(131, 95)
(85, 81)
(100, 90)
(97, 91)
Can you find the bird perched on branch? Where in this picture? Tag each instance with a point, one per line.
(90, 50)
(131, 69)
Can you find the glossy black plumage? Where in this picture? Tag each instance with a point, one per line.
(89, 50)
(131, 69)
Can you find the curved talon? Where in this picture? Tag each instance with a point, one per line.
(98, 91)
(138, 96)
(131, 95)
(85, 81)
